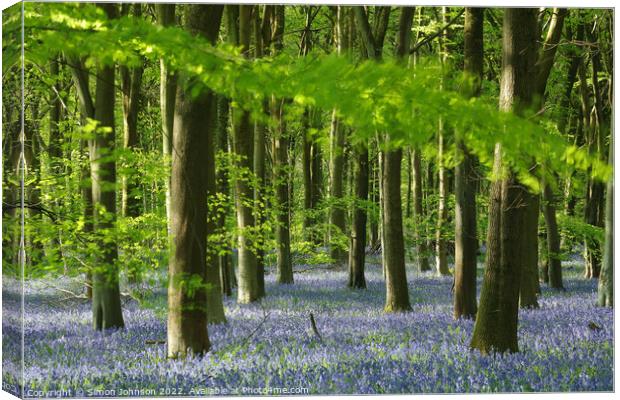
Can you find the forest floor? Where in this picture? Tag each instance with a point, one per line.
(270, 348)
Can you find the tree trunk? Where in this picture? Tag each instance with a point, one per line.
(466, 238)
(397, 293)
(418, 214)
(496, 324)
(553, 240)
(244, 148)
(441, 251)
(215, 306)
(167, 97)
(337, 212)
(191, 276)
(106, 303)
(225, 264)
(606, 278)
(544, 65)
(530, 285)
(131, 80)
(357, 252)
(280, 171)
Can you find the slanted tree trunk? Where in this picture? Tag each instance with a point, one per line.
(244, 148)
(496, 324)
(190, 275)
(466, 238)
(544, 65)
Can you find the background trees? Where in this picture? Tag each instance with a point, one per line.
(258, 109)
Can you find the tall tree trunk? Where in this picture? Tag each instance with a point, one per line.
(357, 251)
(418, 214)
(441, 250)
(466, 238)
(131, 80)
(167, 97)
(397, 293)
(225, 264)
(106, 303)
(544, 65)
(280, 167)
(260, 143)
(496, 324)
(337, 212)
(244, 148)
(191, 183)
(606, 278)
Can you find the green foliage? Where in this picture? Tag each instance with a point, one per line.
(412, 102)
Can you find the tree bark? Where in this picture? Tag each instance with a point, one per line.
(131, 80)
(606, 278)
(496, 324)
(223, 187)
(357, 252)
(397, 293)
(244, 148)
(280, 171)
(167, 97)
(466, 238)
(191, 269)
(106, 303)
(418, 214)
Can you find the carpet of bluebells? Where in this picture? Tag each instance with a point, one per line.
(272, 344)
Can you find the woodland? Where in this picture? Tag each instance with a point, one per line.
(204, 199)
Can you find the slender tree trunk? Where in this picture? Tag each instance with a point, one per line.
(280, 167)
(553, 240)
(606, 278)
(496, 324)
(244, 148)
(260, 143)
(193, 179)
(225, 264)
(441, 251)
(466, 239)
(418, 213)
(530, 285)
(131, 80)
(544, 65)
(167, 96)
(215, 306)
(337, 212)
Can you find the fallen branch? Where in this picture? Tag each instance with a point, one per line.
(314, 328)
